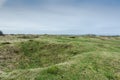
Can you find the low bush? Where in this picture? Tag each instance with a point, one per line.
(1, 33)
(53, 70)
(5, 43)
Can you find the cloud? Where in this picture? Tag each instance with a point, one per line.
(2, 2)
(59, 18)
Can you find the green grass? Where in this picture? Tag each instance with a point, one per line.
(60, 58)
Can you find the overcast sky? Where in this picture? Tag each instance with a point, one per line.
(60, 16)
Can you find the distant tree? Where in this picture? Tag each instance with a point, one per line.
(1, 33)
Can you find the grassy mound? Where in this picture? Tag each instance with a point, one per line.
(43, 54)
(61, 58)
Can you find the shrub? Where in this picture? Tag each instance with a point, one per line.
(72, 37)
(53, 70)
(6, 43)
(1, 33)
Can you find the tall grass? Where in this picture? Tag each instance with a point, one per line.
(62, 58)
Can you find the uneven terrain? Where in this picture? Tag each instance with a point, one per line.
(52, 57)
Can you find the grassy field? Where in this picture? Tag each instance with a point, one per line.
(50, 57)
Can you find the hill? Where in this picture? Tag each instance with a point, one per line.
(52, 57)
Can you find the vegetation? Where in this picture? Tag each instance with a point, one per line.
(47, 57)
(1, 33)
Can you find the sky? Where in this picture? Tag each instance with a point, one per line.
(77, 17)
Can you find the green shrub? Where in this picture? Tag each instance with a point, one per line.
(6, 43)
(72, 37)
(53, 70)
